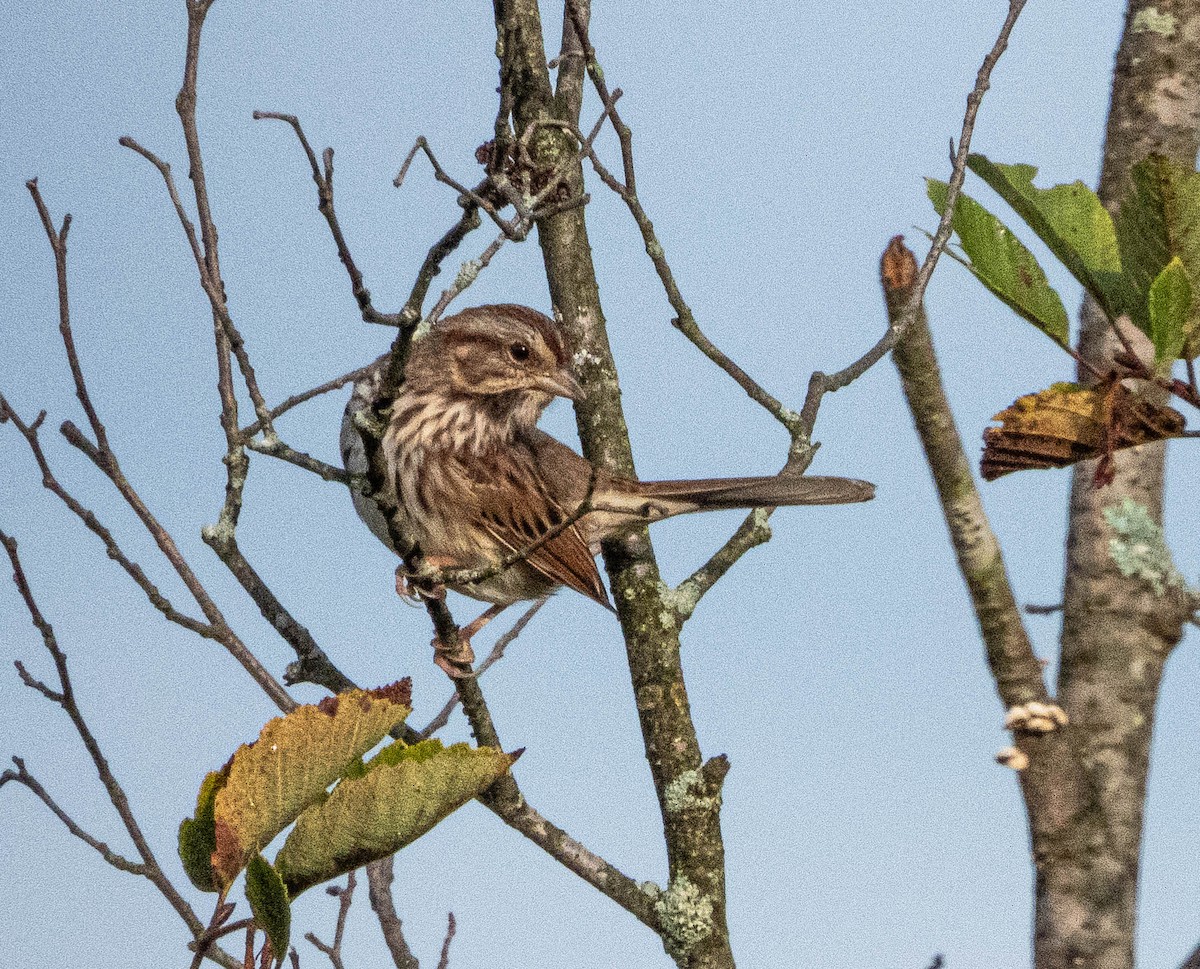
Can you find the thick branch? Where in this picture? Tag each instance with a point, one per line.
(1116, 633)
(695, 850)
(1015, 667)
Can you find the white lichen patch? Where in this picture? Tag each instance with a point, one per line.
(650, 888)
(1138, 547)
(219, 534)
(1012, 758)
(467, 273)
(686, 915)
(762, 523)
(583, 357)
(680, 601)
(686, 792)
(1148, 19)
(1035, 717)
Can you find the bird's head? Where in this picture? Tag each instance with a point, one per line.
(494, 351)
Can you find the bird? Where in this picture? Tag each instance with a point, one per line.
(477, 487)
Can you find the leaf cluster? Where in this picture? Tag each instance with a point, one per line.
(1141, 265)
(307, 767)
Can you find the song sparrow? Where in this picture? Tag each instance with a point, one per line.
(473, 480)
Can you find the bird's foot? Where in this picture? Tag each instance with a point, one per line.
(454, 659)
(414, 588)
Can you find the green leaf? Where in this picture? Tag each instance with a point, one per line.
(1170, 304)
(292, 764)
(405, 792)
(1075, 226)
(1003, 264)
(1159, 220)
(197, 837)
(269, 902)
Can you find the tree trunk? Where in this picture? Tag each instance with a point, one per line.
(1117, 630)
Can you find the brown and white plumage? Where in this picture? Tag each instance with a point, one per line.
(476, 481)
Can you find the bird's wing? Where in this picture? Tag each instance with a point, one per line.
(518, 507)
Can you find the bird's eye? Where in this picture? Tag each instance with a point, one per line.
(519, 352)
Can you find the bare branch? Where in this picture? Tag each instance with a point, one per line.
(312, 663)
(22, 776)
(89, 519)
(432, 266)
(379, 889)
(1053, 784)
(31, 681)
(754, 530)
(444, 959)
(324, 182)
(189, 230)
(148, 867)
(345, 896)
(820, 383)
(684, 320)
(296, 399)
(58, 244)
(505, 797)
(1018, 674)
(274, 447)
(217, 628)
(481, 200)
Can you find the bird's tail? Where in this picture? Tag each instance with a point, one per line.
(625, 504)
(782, 489)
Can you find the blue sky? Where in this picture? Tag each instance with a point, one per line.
(779, 147)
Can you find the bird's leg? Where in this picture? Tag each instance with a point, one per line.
(456, 659)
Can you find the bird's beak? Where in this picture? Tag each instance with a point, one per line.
(561, 384)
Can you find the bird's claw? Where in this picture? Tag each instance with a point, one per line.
(415, 591)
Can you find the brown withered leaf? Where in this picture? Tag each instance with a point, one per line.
(1067, 423)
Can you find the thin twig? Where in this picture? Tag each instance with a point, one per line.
(754, 530)
(58, 244)
(296, 399)
(274, 447)
(118, 861)
(444, 960)
(684, 320)
(324, 182)
(432, 265)
(149, 866)
(1036, 610)
(312, 662)
(345, 896)
(821, 383)
(98, 528)
(100, 453)
(217, 629)
(479, 199)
